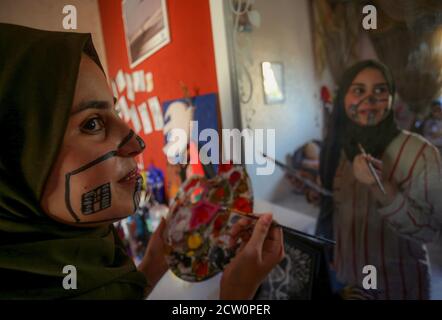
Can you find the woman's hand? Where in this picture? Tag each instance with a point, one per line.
(154, 263)
(259, 254)
(362, 174)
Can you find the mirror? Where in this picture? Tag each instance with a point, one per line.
(314, 43)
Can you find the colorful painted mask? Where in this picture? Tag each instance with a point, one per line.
(198, 227)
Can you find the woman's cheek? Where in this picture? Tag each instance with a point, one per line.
(89, 192)
(383, 111)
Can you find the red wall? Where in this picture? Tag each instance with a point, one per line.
(189, 58)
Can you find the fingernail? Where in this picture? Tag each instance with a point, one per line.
(268, 219)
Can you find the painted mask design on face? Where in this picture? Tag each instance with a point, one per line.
(368, 98)
(373, 112)
(95, 199)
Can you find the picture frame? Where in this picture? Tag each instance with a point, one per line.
(146, 28)
(303, 274)
(273, 82)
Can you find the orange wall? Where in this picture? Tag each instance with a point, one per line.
(189, 58)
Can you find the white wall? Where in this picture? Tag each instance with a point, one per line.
(48, 15)
(284, 36)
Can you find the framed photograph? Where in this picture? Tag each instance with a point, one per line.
(146, 28)
(303, 274)
(273, 82)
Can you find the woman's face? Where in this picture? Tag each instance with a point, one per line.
(95, 178)
(368, 99)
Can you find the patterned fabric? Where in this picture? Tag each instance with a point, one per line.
(201, 215)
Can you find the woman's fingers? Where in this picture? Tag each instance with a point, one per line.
(274, 233)
(379, 173)
(243, 235)
(158, 234)
(260, 231)
(274, 240)
(242, 229)
(257, 234)
(162, 225)
(239, 226)
(376, 162)
(377, 165)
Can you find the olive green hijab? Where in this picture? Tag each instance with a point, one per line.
(38, 74)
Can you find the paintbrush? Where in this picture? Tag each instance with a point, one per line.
(278, 225)
(295, 173)
(372, 170)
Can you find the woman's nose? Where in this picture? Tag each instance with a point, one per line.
(372, 99)
(368, 100)
(131, 145)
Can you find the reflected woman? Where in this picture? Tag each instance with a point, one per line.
(387, 230)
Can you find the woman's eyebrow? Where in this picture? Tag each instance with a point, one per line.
(363, 84)
(91, 104)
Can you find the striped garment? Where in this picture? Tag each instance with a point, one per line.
(390, 238)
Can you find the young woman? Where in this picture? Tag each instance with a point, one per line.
(67, 171)
(372, 228)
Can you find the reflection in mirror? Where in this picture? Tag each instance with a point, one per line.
(358, 75)
(273, 82)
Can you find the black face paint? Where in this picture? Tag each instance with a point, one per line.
(372, 100)
(96, 200)
(139, 182)
(354, 112)
(126, 139)
(137, 192)
(371, 118)
(100, 197)
(69, 175)
(141, 142)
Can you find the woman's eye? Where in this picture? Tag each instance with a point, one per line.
(93, 125)
(380, 90)
(358, 91)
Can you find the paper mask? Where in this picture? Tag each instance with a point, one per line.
(198, 227)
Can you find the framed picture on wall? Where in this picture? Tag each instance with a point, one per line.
(303, 274)
(146, 28)
(273, 82)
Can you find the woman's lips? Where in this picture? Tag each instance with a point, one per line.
(367, 111)
(132, 176)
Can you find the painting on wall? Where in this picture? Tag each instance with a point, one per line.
(192, 116)
(146, 28)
